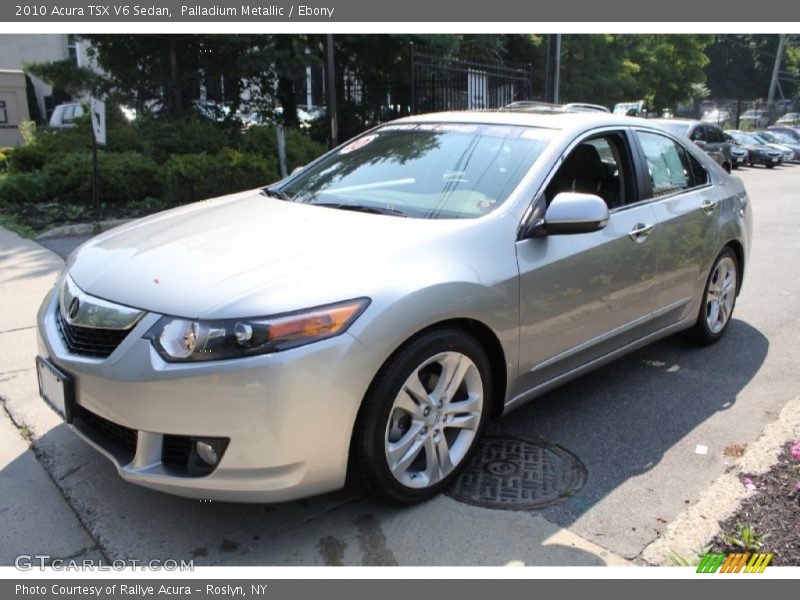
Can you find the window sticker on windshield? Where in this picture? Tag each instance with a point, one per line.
(457, 127)
(399, 127)
(359, 143)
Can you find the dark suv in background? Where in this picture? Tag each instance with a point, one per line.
(709, 137)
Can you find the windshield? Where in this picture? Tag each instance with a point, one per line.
(423, 170)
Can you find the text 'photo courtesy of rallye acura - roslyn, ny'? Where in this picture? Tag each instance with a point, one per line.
(363, 318)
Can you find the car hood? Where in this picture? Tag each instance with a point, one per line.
(248, 255)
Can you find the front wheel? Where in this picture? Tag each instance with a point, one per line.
(422, 417)
(719, 299)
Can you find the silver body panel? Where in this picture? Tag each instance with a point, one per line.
(557, 306)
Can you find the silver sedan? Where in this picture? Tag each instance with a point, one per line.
(363, 318)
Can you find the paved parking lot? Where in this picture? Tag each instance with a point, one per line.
(640, 425)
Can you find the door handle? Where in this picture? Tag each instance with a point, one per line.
(708, 206)
(640, 232)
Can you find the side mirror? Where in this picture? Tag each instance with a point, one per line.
(296, 169)
(570, 212)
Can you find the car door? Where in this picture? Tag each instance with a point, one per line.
(583, 295)
(686, 206)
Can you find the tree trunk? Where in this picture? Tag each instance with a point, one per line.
(287, 100)
(174, 77)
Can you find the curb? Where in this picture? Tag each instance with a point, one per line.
(692, 530)
(76, 229)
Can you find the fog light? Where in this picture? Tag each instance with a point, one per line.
(206, 452)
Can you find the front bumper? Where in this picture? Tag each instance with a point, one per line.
(289, 415)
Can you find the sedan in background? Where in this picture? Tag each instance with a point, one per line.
(708, 137)
(718, 117)
(755, 118)
(792, 118)
(787, 154)
(759, 153)
(784, 141)
(739, 154)
(792, 132)
(366, 316)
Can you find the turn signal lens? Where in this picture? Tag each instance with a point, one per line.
(178, 339)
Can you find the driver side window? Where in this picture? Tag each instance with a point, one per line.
(596, 166)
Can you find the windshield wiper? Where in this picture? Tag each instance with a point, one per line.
(274, 193)
(377, 210)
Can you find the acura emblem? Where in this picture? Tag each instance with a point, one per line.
(74, 306)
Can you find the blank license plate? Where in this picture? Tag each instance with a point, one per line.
(55, 387)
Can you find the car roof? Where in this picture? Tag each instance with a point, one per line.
(551, 120)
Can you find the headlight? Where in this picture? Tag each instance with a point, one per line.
(178, 339)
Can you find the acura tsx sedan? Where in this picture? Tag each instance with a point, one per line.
(363, 318)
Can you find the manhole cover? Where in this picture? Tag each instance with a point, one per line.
(518, 474)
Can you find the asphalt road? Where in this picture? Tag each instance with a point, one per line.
(652, 429)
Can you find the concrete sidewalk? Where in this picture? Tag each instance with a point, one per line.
(66, 500)
(35, 518)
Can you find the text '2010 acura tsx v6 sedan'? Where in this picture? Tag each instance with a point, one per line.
(364, 317)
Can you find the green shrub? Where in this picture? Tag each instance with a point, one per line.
(300, 148)
(122, 176)
(5, 152)
(27, 159)
(164, 139)
(191, 177)
(23, 188)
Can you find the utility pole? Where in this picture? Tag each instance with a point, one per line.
(776, 71)
(552, 68)
(330, 89)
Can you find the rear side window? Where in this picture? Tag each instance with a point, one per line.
(667, 164)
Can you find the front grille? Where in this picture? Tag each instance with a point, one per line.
(114, 437)
(88, 341)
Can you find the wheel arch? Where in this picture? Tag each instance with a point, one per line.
(738, 250)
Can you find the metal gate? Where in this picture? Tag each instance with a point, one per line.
(439, 83)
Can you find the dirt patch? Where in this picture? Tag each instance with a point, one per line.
(770, 515)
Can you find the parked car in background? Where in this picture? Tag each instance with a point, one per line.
(584, 107)
(755, 118)
(786, 152)
(630, 109)
(783, 140)
(792, 118)
(759, 153)
(64, 115)
(709, 137)
(719, 117)
(413, 282)
(792, 132)
(739, 154)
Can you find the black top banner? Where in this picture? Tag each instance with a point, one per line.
(739, 11)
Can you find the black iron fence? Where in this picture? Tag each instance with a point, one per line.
(440, 83)
(431, 83)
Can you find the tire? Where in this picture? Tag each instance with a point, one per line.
(401, 436)
(716, 311)
(727, 167)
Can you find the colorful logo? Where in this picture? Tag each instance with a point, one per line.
(743, 562)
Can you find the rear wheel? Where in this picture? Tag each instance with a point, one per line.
(719, 299)
(421, 418)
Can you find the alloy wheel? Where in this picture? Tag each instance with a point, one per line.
(721, 295)
(434, 420)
